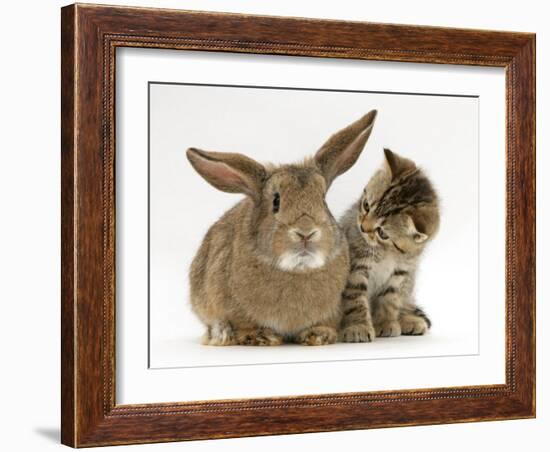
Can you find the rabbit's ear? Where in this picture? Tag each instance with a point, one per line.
(398, 165)
(343, 148)
(233, 173)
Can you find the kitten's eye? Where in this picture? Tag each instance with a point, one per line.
(366, 206)
(382, 234)
(276, 202)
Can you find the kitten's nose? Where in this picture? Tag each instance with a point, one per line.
(367, 225)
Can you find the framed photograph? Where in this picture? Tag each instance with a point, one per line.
(280, 225)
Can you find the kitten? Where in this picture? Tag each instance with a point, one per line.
(387, 230)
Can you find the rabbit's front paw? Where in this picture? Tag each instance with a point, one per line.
(357, 333)
(317, 335)
(220, 333)
(260, 337)
(388, 328)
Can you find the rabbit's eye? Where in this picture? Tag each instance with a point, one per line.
(276, 202)
(366, 206)
(382, 234)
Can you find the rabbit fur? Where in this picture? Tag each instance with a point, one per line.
(272, 269)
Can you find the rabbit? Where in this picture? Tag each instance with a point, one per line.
(272, 269)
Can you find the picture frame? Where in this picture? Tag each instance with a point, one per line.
(90, 36)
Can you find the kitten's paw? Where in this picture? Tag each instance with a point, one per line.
(258, 337)
(390, 328)
(413, 325)
(317, 335)
(220, 333)
(357, 333)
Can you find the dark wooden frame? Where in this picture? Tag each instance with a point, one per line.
(90, 34)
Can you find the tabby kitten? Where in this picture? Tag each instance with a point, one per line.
(387, 230)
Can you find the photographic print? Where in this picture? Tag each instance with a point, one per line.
(280, 225)
(284, 217)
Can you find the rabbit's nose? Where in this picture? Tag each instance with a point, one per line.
(306, 236)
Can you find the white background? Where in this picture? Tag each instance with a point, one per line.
(440, 133)
(30, 226)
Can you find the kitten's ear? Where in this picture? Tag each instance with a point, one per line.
(233, 173)
(398, 165)
(343, 148)
(419, 237)
(423, 222)
(415, 231)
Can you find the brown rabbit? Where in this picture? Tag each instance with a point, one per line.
(273, 268)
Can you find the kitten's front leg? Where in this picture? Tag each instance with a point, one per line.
(386, 323)
(389, 303)
(356, 323)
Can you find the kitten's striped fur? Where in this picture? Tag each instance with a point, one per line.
(387, 230)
